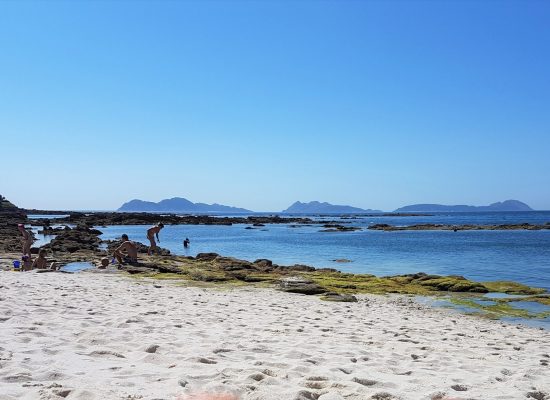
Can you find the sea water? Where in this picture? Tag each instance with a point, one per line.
(518, 255)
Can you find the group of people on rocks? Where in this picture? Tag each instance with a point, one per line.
(126, 252)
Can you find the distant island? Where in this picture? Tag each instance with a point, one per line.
(178, 205)
(315, 207)
(508, 205)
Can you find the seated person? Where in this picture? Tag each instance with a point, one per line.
(131, 251)
(41, 262)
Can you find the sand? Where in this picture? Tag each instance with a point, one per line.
(106, 336)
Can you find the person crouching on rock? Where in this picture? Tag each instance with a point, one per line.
(131, 251)
(41, 262)
(151, 233)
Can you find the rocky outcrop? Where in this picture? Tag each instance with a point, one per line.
(297, 284)
(120, 218)
(339, 228)
(81, 238)
(451, 283)
(440, 227)
(10, 217)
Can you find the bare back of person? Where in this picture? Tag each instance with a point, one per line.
(130, 248)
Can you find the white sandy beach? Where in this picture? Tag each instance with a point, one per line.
(95, 336)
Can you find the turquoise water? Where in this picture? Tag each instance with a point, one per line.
(522, 256)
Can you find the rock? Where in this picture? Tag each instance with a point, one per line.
(300, 285)
(455, 228)
(538, 395)
(104, 263)
(365, 382)
(206, 256)
(182, 382)
(152, 348)
(263, 265)
(233, 264)
(143, 218)
(339, 228)
(72, 240)
(300, 268)
(305, 395)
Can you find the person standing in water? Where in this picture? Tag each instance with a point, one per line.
(151, 233)
(186, 242)
(26, 240)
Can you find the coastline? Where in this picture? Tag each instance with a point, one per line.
(92, 335)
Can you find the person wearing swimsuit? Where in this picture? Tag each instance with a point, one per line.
(151, 233)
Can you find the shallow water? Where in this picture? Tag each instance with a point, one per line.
(76, 266)
(531, 306)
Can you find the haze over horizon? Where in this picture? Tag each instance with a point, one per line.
(260, 104)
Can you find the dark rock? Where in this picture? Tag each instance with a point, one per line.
(144, 218)
(206, 256)
(470, 227)
(183, 382)
(305, 395)
(538, 395)
(152, 348)
(232, 264)
(365, 382)
(300, 285)
(263, 264)
(72, 240)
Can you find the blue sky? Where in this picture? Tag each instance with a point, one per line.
(375, 104)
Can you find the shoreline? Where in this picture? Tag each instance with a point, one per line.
(89, 334)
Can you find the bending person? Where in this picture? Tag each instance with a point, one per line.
(126, 252)
(151, 233)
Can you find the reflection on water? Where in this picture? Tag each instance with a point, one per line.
(504, 296)
(77, 266)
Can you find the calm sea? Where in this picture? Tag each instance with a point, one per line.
(522, 256)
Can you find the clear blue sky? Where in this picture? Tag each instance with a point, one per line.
(375, 104)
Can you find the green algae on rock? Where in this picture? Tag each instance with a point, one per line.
(498, 308)
(512, 288)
